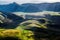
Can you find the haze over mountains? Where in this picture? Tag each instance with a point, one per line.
(30, 7)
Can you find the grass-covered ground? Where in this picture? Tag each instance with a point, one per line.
(20, 34)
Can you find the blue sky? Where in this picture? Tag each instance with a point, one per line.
(26, 1)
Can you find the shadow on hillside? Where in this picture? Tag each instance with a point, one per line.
(16, 20)
(9, 38)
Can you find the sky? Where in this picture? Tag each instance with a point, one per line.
(27, 1)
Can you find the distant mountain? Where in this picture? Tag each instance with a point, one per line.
(30, 7)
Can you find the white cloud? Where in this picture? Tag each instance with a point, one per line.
(26, 1)
(6, 1)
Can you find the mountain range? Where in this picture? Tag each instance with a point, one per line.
(30, 7)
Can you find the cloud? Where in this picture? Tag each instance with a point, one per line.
(6, 1)
(26, 1)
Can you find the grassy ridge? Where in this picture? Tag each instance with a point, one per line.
(18, 33)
